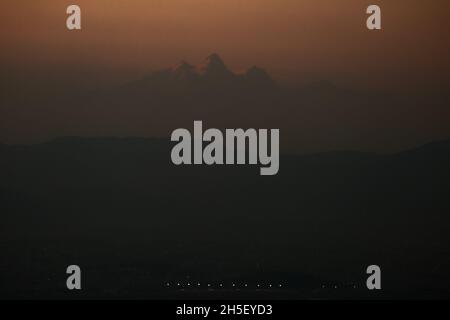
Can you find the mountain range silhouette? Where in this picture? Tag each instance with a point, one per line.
(213, 72)
(315, 116)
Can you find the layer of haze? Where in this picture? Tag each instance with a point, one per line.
(299, 40)
(44, 67)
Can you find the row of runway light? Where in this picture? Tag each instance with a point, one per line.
(220, 285)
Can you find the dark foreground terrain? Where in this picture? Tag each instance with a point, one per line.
(140, 227)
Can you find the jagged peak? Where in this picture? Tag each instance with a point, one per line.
(214, 65)
(259, 76)
(183, 65)
(257, 71)
(214, 58)
(183, 70)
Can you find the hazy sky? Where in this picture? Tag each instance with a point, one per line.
(292, 39)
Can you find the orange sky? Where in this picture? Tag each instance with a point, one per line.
(304, 39)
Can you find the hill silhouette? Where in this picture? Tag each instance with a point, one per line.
(119, 207)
